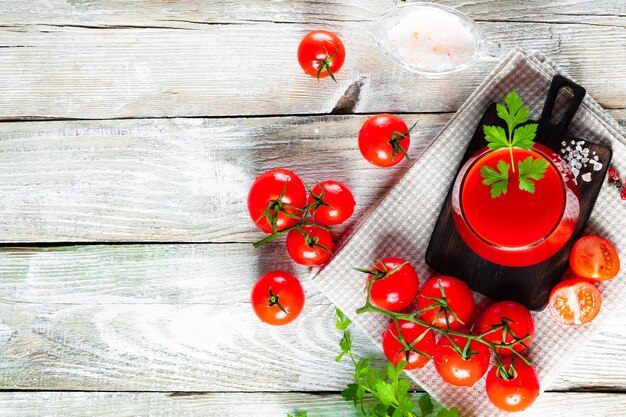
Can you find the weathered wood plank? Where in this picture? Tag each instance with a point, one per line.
(105, 404)
(155, 347)
(142, 274)
(609, 12)
(78, 72)
(175, 180)
(177, 318)
(166, 13)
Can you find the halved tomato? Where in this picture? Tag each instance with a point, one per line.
(595, 258)
(575, 301)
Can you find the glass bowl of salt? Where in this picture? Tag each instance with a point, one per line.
(431, 39)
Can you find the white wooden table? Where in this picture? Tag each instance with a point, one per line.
(131, 131)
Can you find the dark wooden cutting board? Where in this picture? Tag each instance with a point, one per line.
(448, 254)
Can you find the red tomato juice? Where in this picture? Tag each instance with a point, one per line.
(517, 228)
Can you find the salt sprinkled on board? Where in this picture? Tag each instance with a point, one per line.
(433, 39)
(578, 158)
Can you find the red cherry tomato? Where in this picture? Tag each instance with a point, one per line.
(265, 198)
(393, 290)
(575, 301)
(518, 320)
(334, 202)
(384, 140)
(459, 298)
(456, 370)
(277, 298)
(310, 246)
(516, 394)
(395, 352)
(321, 54)
(594, 258)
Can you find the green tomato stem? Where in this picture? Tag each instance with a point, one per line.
(412, 317)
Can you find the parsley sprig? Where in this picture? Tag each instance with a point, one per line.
(514, 114)
(384, 392)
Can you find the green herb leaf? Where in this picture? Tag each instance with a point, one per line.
(531, 169)
(453, 412)
(405, 404)
(349, 393)
(527, 185)
(497, 180)
(496, 137)
(341, 321)
(302, 414)
(385, 392)
(513, 102)
(523, 136)
(425, 405)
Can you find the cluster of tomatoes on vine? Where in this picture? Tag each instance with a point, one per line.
(462, 355)
(278, 202)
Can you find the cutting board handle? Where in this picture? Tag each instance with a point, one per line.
(550, 131)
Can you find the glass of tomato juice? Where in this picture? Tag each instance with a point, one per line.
(517, 228)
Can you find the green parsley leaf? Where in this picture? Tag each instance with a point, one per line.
(453, 412)
(341, 321)
(496, 137)
(497, 180)
(405, 405)
(302, 414)
(531, 169)
(350, 392)
(425, 405)
(385, 392)
(523, 136)
(513, 102)
(513, 114)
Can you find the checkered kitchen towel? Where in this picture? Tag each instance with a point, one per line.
(401, 225)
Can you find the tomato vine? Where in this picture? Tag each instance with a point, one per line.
(503, 371)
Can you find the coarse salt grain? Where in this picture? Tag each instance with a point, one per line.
(433, 39)
(578, 159)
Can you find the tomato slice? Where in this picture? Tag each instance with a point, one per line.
(595, 258)
(575, 301)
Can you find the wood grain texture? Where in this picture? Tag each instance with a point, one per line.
(589, 12)
(167, 13)
(105, 404)
(177, 318)
(93, 73)
(164, 13)
(173, 180)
